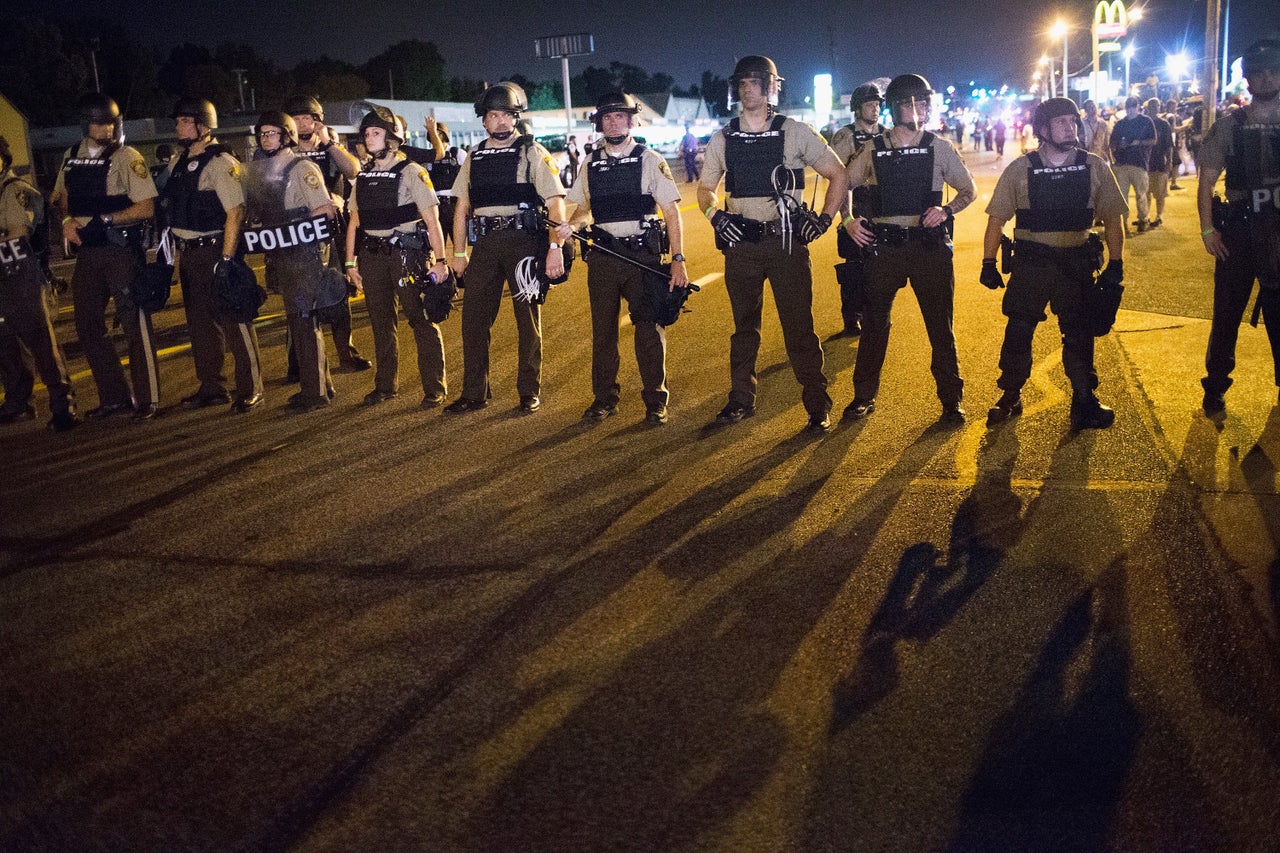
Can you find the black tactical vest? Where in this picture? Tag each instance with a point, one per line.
(444, 172)
(1058, 196)
(185, 205)
(332, 178)
(85, 179)
(495, 177)
(750, 159)
(904, 179)
(614, 186)
(1253, 165)
(377, 196)
(862, 137)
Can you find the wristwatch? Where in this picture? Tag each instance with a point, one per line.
(678, 256)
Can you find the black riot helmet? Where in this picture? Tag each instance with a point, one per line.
(1262, 55)
(97, 108)
(613, 102)
(862, 94)
(382, 117)
(506, 96)
(1047, 111)
(760, 68)
(197, 108)
(910, 91)
(288, 127)
(304, 105)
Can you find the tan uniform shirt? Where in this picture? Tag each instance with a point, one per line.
(19, 203)
(306, 187)
(222, 175)
(655, 180)
(127, 175)
(845, 144)
(801, 146)
(538, 167)
(1011, 195)
(415, 188)
(948, 170)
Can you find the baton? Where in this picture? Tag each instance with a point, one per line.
(587, 241)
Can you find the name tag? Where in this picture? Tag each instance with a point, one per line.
(302, 233)
(15, 251)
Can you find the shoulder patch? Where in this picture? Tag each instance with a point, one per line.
(21, 197)
(426, 178)
(234, 171)
(312, 179)
(664, 168)
(551, 164)
(140, 168)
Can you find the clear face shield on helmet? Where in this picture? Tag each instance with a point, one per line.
(912, 112)
(767, 86)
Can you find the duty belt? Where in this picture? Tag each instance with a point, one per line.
(392, 243)
(489, 224)
(898, 235)
(122, 236)
(184, 244)
(635, 243)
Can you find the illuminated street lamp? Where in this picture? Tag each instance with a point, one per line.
(1177, 65)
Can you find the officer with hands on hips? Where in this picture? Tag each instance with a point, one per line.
(900, 211)
(106, 196)
(1242, 232)
(1056, 194)
(620, 189)
(24, 309)
(501, 190)
(394, 208)
(763, 231)
(203, 204)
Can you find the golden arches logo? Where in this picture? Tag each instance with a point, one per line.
(1110, 20)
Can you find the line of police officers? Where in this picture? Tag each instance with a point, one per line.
(510, 208)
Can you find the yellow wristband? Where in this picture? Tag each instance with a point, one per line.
(848, 219)
(1206, 232)
(459, 254)
(710, 211)
(67, 219)
(349, 264)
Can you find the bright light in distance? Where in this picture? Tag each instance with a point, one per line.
(1043, 60)
(1177, 63)
(1129, 51)
(1059, 30)
(1135, 14)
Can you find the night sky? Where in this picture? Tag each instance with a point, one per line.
(992, 41)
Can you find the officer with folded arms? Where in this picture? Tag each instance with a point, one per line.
(338, 166)
(901, 216)
(621, 188)
(203, 204)
(1242, 232)
(290, 219)
(395, 208)
(1055, 193)
(502, 190)
(105, 196)
(24, 309)
(763, 231)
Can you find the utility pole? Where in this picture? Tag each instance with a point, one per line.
(93, 60)
(1210, 85)
(239, 72)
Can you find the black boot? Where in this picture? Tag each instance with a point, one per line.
(1008, 406)
(1088, 413)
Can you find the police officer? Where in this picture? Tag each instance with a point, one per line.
(395, 207)
(290, 218)
(847, 142)
(902, 214)
(444, 170)
(1056, 194)
(24, 310)
(1243, 233)
(621, 188)
(317, 143)
(203, 204)
(501, 190)
(105, 195)
(763, 233)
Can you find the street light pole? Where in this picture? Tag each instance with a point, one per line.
(1128, 56)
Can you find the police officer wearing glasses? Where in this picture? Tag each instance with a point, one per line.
(902, 218)
(763, 231)
(1055, 193)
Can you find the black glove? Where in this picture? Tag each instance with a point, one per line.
(727, 227)
(1112, 275)
(990, 276)
(222, 274)
(814, 227)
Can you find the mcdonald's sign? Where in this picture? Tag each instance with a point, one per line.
(1110, 20)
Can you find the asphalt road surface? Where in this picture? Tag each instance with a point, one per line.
(382, 628)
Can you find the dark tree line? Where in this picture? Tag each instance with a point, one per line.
(45, 65)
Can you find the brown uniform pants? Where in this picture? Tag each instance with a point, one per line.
(746, 266)
(381, 272)
(493, 264)
(291, 270)
(104, 273)
(24, 322)
(213, 333)
(609, 281)
(932, 277)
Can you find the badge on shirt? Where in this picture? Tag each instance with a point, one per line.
(140, 168)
